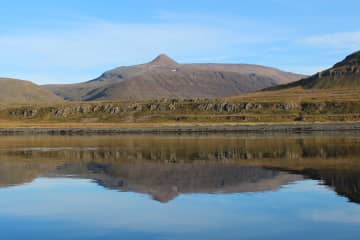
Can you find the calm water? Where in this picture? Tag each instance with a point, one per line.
(180, 187)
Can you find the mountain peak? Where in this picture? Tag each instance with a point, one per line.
(163, 59)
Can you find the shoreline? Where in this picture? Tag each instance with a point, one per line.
(240, 128)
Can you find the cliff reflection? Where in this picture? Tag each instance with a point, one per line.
(165, 167)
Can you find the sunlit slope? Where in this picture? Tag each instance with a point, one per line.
(18, 91)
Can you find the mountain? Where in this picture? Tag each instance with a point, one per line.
(345, 74)
(19, 91)
(165, 78)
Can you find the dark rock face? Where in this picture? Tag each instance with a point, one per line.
(26, 112)
(345, 74)
(167, 106)
(194, 110)
(351, 62)
(164, 107)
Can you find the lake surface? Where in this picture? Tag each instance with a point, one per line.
(180, 187)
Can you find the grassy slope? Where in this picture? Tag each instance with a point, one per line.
(299, 94)
(15, 91)
(336, 105)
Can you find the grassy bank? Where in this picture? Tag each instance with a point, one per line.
(274, 107)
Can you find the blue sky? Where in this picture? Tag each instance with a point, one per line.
(76, 40)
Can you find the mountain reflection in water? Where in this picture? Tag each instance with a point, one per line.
(167, 166)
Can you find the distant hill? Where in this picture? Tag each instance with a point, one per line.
(165, 78)
(19, 91)
(345, 74)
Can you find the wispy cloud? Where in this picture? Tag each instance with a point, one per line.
(105, 43)
(74, 50)
(93, 45)
(339, 41)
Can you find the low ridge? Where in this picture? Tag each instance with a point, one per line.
(19, 91)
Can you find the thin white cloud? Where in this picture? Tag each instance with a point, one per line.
(339, 41)
(102, 43)
(92, 45)
(99, 44)
(73, 51)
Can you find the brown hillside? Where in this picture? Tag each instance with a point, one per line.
(164, 78)
(18, 91)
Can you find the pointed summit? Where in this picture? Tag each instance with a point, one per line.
(163, 59)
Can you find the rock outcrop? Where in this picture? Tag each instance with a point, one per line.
(345, 74)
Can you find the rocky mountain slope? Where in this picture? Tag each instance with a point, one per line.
(165, 78)
(18, 91)
(345, 74)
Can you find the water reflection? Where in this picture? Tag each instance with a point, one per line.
(166, 167)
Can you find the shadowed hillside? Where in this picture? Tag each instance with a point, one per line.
(345, 74)
(165, 78)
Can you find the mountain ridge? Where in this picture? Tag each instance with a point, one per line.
(163, 77)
